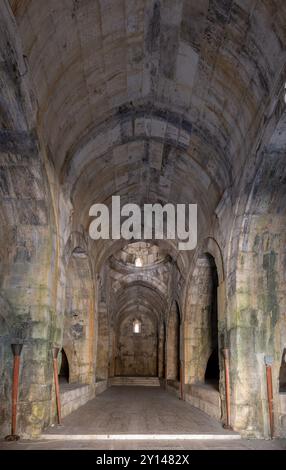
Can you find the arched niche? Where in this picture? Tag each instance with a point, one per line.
(282, 373)
(201, 320)
(79, 317)
(64, 368)
(212, 248)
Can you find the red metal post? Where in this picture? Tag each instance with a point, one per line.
(56, 378)
(268, 363)
(16, 349)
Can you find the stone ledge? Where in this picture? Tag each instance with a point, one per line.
(100, 387)
(282, 417)
(205, 398)
(282, 399)
(134, 381)
(74, 397)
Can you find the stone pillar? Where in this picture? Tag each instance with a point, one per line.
(161, 350)
(103, 343)
(112, 352)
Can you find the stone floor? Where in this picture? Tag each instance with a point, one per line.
(243, 444)
(140, 410)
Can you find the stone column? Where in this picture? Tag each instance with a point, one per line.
(161, 350)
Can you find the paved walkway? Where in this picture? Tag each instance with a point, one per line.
(140, 410)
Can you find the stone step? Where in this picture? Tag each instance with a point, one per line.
(140, 437)
(136, 381)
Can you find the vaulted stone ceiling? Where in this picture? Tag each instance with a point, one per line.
(140, 254)
(152, 100)
(145, 287)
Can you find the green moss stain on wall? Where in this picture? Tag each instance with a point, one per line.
(270, 295)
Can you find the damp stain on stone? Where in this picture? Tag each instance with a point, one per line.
(153, 31)
(270, 296)
(77, 331)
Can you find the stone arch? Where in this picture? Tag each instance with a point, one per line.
(107, 248)
(212, 247)
(77, 242)
(134, 278)
(64, 367)
(145, 289)
(146, 299)
(79, 313)
(203, 334)
(212, 368)
(201, 319)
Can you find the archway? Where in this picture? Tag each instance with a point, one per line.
(136, 307)
(78, 328)
(282, 373)
(212, 368)
(201, 333)
(64, 370)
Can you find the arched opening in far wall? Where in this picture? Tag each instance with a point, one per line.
(64, 372)
(212, 368)
(282, 373)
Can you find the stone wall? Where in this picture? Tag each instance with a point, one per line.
(27, 283)
(137, 354)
